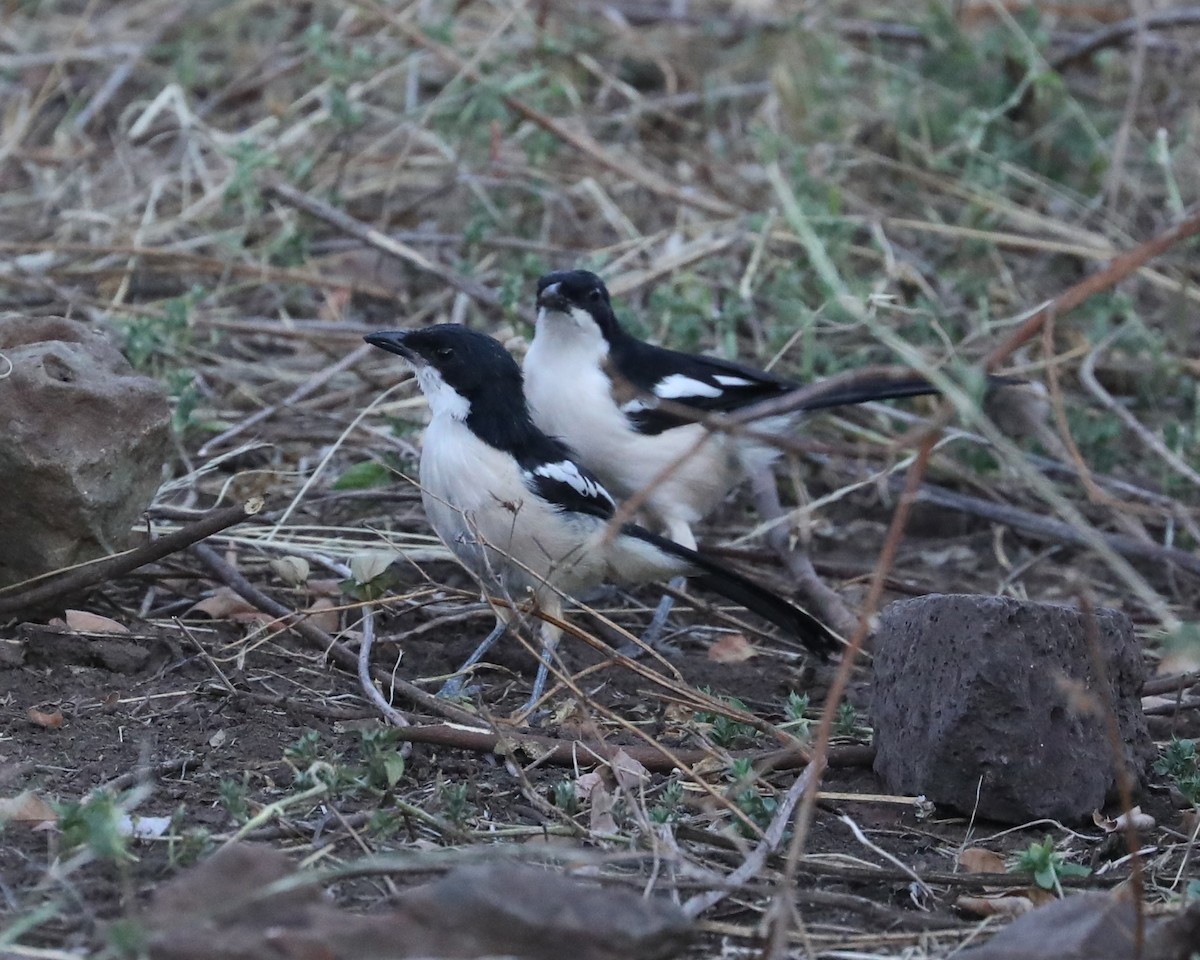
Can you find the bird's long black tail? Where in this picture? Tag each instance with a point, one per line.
(711, 575)
(882, 386)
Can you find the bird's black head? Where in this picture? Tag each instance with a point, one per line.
(458, 369)
(579, 295)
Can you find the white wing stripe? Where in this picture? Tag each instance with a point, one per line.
(565, 471)
(727, 381)
(678, 386)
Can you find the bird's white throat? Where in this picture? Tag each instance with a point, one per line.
(443, 399)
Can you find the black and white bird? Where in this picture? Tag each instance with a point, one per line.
(599, 388)
(518, 510)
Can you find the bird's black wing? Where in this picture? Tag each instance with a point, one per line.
(643, 375)
(551, 472)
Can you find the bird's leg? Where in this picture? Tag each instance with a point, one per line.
(454, 686)
(652, 637)
(681, 533)
(551, 634)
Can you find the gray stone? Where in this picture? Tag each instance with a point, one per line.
(990, 705)
(84, 441)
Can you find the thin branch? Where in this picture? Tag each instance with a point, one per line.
(120, 564)
(484, 296)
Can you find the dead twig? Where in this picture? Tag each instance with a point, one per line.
(578, 139)
(120, 564)
(318, 638)
(590, 753)
(482, 295)
(1117, 32)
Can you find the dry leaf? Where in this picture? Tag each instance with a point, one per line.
(319, 587)
(602, 820)
(324, 614)
(293, 571)
(630, 774)
(84, 622)
(1140, 821)
(1006, 905)
(586, 783)
(731, 648)
(366, 566)
(52, 719)
(224, 604)
(979, 860)
(26, 807)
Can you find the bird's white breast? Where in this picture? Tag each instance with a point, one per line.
(476, 500)
(570, 396)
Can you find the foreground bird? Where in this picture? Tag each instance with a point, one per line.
(518, 510)
(598, 387)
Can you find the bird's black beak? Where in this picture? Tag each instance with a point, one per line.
(393, 342)
(551, 299)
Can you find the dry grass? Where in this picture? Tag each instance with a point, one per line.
(816, 188)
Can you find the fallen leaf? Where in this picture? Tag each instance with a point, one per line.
(293, 571)
(602, 820)
(84, 622)
(319, 587)
(586, 783)
(1140, 821)
(630, 774)
(366, 566)
(731, 648)
(52, 719)
(979, 860)
(26, 807)
(218, 739)
(224, 604)
(325, 615)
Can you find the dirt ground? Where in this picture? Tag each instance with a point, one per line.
(815, 190)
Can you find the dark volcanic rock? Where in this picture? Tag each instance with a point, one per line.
(84, 443)
(990, 705)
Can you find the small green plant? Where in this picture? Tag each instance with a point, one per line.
(234, 795)
(845, 721)
(749, 798)
(382, 762)
(242, 189)
(454, 802)
(667, 808)
(723, 730)
(148, 337)
(367, 475)
(565, 797)
(1180, 762)
(1047, 865)
(95, 823)
(796, 710)
(187, 846)
(126, 938)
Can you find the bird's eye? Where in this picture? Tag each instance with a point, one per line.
(594, 294)
(444, 353)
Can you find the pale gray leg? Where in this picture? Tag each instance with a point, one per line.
(550, 637)
(454, 686)
(658, 623)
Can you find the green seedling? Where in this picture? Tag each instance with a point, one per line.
(565, 797)
(1181, 762)
(1047, 865)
